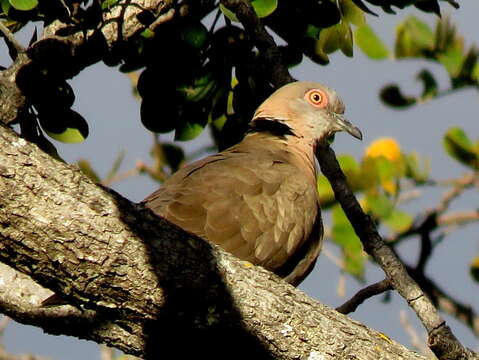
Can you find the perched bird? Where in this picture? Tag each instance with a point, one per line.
(258, 199)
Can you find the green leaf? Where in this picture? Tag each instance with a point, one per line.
(115, 167)
(364, 8)
(24, 5)
(380, 205)
(343, 234)
(156, 120)
(66, 126)
(336, 37)
(391, 95)
(6, 6)
(174, 156)
(430, 87)
(312, 31)
(348, 164)
(200, 89)
(459, 147)
(452, 61)
(475, 72)
(325, 192)
(195, 35)
(191, 123)
(446, 37)
(474, 269)
(398, 220)
(386, 169)
(264, 8)
(188, 131)
(370, 43)
(228, 13)
(346, 43)
(317, 53)
(329, 39)
(368, 176)
(413, 170)
(108, 4)
(351, 13)
(147, 33)
(414, 38)
(70, 136)
(466, 73)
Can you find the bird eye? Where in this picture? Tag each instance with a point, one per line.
(317, 98)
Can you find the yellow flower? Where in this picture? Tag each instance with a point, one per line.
(389, 149)
(385, 146)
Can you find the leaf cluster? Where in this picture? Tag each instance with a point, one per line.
(416, 39)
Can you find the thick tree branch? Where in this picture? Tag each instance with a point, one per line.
(143, 285)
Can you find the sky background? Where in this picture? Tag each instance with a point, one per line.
(104, 98)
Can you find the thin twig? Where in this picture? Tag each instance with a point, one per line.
(106, 353)
(425, 251)
(372, 290)
(334, 259)
(213, 24)
(433, 218)
(461, 184)
(458, 218)
(3, 324)
(124, 175)
(162, 19)
(416, 341)
(12, 40)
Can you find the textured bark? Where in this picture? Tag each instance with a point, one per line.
(143, 285)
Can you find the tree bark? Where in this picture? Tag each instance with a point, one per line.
(141, 284)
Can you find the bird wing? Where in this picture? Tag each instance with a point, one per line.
(259, 207)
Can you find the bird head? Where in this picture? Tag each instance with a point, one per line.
(305, 109)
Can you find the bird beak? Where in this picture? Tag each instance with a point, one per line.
(345, 125)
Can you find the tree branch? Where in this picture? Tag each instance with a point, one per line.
(143, 285)
(441, 339)
(372, 290)
(10, 39)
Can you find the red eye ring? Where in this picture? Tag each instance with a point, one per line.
(317, 98)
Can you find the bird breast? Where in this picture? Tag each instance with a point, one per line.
(259, 206)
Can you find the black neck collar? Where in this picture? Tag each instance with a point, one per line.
(269, 125)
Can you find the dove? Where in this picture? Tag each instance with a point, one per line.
(258, 199)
